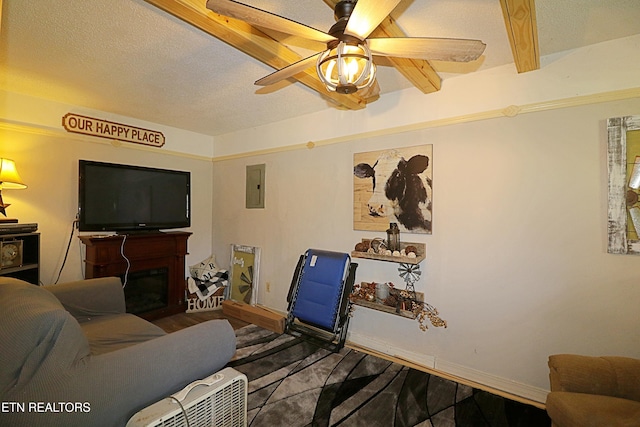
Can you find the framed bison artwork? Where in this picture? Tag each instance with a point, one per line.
(393, 186)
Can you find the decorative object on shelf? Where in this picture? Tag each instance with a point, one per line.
(411, 251)
(393, 186)
(409, 300)
(245, 264)
(410, 273)
(363, 291)
(362, 246)
(11, 253)
(393, 237)
(378, 246)
(422, 310)
(9, 179)
(382, 291)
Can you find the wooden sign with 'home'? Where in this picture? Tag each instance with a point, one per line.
(105, 129)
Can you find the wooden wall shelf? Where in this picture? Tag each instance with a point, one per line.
(420, 255)
(380, 306)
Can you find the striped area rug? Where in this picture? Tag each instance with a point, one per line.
(292, 383)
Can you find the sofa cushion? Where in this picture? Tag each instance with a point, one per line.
(86, 299)
(568, 409)
(608, 375)
(109, 333)
(627, 374)
(36, 333)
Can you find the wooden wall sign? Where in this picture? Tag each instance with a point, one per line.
(623, 161)
(243, 274)
(105, 129)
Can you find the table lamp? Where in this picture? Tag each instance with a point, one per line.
(9, 179)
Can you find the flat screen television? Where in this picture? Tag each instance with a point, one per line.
(124, 198)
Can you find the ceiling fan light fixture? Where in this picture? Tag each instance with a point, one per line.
(346, 67)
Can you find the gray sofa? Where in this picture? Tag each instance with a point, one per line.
(71, 356)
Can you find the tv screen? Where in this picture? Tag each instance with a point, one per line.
(114, 197)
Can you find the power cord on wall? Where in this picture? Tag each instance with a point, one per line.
(126, 272)
(66, 253)
(74, 226)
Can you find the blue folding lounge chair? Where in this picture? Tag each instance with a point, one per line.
(319, 297)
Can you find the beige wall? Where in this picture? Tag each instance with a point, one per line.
(517, 262)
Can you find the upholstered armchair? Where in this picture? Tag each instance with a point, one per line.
(594, 391)
(71, 356)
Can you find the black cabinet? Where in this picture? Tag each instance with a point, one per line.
(20, 256)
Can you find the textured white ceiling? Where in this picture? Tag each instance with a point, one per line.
(129, 58)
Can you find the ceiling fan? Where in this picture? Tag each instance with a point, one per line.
(347, 64)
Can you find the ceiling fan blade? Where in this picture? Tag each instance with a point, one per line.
(288, 71)
(367, 15)
(261, 18)
(436, 49)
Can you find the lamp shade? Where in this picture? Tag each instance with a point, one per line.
(9, 178)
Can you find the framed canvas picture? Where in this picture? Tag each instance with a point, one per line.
(623, 158)
(243, 277)
(393, 186)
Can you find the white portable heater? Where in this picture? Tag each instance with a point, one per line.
(219, 400)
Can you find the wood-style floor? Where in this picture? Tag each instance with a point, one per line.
(184, 320)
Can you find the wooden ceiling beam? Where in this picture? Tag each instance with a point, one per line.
(419, 72)
(254, 43)
(522, 29)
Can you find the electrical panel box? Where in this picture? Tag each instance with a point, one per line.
(255, 186)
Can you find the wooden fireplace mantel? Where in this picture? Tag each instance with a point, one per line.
(145, 251)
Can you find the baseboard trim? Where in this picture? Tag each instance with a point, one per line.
(509, 389)
(357, 341)
(513, 389)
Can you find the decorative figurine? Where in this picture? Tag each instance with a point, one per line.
(393, 237)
